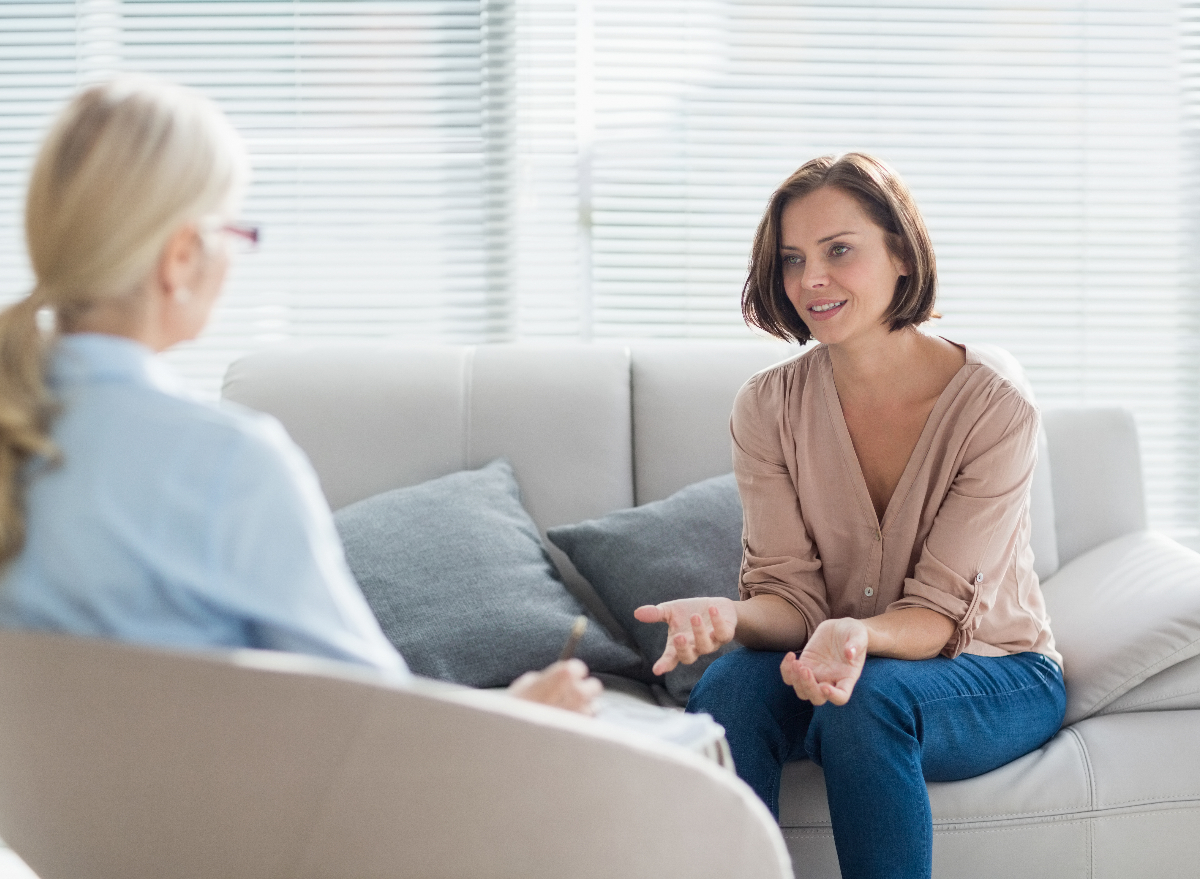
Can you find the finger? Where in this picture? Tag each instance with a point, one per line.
(567, 680)
(560, 671)
(700, 636)
(855, 647)
(807, 688)
(685, 648)
(846, 687)
(581, 696)
(524, 681)
(787, 668)
(836, 695)
(791, 668)
(650, 613)
(576, 668)
(722, 628)
(667, 661)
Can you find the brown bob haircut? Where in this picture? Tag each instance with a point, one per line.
(887, 201)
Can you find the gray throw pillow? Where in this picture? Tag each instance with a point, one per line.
(687, 545)
(457, 576)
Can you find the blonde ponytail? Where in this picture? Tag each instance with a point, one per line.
(26, 408)
(124, 166)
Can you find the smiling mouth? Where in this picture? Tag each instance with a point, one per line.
(819, 309)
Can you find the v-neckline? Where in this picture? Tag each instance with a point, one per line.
(920, 450)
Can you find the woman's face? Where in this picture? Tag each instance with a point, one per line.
(838, 271)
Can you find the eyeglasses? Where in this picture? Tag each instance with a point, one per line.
(245, 237)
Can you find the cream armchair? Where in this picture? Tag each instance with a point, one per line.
(121, 762)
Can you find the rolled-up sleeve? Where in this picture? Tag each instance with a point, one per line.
(778, 554)
(975, 534)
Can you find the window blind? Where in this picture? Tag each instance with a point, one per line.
(1043, 142)
(487, 170)
(369, 126)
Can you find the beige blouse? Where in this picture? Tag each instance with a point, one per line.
(954, 537)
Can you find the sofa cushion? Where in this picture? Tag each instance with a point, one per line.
(1123, 612)
(457, 575)
(1098, 793)
(684, 546)
(1176, 688)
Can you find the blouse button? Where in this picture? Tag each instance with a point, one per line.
(979, 578)
(868, 592)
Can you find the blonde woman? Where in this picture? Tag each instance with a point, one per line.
(130, 509)
(895, 629)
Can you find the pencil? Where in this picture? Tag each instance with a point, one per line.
(577, 630)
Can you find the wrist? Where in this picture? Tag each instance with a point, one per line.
(879, 638)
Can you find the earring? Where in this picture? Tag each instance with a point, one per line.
(181, 295)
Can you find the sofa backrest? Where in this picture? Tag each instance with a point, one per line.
(122, 762)
(1096, 475)
(591, 428)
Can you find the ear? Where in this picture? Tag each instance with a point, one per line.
(179, 262)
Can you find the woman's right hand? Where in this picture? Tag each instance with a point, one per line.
(564, 684)
(695, 626)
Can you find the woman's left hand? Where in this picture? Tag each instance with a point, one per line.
(829, 666)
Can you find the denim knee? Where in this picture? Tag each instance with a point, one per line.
(733, 684)
(876, 712)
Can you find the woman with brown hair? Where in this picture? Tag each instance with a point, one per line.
(894, 629)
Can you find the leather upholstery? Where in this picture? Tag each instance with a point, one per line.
(1121, 613)
(121, 762)
(1111, 796)
(1097, 477)
(377, 417)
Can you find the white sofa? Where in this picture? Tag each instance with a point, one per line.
(591, 429)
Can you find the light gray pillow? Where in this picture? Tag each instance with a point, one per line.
(687, 545)
(458, 578)
(1123, 613)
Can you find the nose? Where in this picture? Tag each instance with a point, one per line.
(815, 275)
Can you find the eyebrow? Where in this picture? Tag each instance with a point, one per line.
(820, 241)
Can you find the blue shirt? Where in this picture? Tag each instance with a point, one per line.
(173, 522)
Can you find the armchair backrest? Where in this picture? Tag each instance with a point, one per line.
(129, 762)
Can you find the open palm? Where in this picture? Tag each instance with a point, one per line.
(695, 626)
(828, 667)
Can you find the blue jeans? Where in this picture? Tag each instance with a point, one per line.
(907, 722)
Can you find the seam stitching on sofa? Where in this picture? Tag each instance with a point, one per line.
(1145, 674)
(1015, 821)
(1137, 813)
(802, 834)
(1172, 798)
(1089, 836)
(1187, 800)
(1086, 759)
(1173, 694)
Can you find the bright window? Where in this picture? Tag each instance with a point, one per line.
(502, 169)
